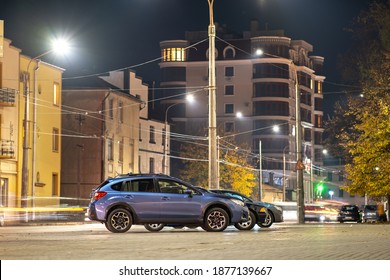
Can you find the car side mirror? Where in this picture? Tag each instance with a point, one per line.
(189, 192)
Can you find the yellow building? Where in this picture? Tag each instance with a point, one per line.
(9, 132)
(38, 181)
(43, 83)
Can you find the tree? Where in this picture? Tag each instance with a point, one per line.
(236, 173)
(367, 140)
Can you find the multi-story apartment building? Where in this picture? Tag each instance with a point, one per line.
(30, 94)
(44, 121)
(106, 133)
(152, 146)
(259, 87)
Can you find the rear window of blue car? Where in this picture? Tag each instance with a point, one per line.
(138, 185)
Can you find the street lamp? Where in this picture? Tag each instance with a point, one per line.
(189, 98)
(213, 154)
(58, 46)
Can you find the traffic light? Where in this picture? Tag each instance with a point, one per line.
(319, 189)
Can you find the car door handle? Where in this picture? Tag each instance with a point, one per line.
(165, 198)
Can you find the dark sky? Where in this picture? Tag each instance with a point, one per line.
(112, 34)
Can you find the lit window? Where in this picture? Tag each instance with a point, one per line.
(56, 94)
(56, 140)
(174, 54)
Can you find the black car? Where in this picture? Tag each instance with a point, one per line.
(349, 213)
(258, 209)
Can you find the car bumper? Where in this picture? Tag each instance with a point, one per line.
(240, 216)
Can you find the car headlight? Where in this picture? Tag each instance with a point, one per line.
(279, 208)
(238, 202)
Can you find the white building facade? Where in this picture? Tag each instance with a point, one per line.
(261, 88)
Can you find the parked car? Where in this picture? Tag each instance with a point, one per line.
(274, 214)
(349, 213)
(257, 213)
(370, 213)
(158, 200)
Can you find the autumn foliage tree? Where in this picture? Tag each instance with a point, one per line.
(365, 137)
(236, 172)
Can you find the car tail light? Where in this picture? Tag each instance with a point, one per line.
(98, 195)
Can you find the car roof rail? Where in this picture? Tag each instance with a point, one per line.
(140, 174)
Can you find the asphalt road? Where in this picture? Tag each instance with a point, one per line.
(285, 241)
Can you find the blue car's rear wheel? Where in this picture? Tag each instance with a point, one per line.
(154, 227)
(119, 220)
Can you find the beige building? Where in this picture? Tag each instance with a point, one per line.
(151, 149)
(100, 139)
(106, 132)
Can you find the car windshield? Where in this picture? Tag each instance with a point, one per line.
(348, 208)
(238, 196)
(370, 207)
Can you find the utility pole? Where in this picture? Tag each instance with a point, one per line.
(213, 164)
(299, 164)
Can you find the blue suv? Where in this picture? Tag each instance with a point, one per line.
(157, 200)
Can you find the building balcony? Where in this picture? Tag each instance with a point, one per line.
(7, 149)
(7, 97)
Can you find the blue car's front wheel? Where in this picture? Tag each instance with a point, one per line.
(216, 219)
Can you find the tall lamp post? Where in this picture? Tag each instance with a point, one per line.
(213, 154)
(190, 99)
(60, 47)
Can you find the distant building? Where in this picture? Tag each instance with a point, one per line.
(259, 87)
(106, 133)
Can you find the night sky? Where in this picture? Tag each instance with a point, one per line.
(111, 34)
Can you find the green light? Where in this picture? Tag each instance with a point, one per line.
(320, 187)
